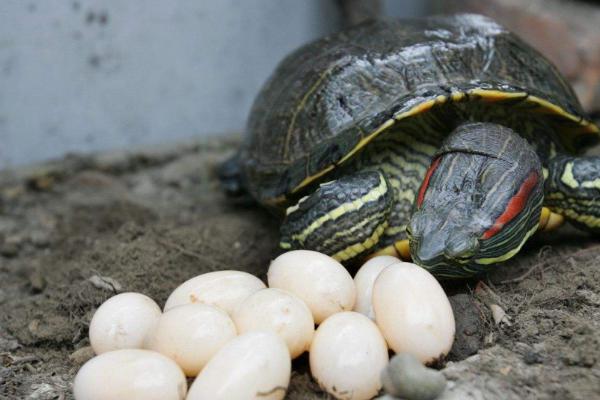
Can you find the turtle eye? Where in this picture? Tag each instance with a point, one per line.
(426, 180)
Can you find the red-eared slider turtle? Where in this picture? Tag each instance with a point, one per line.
(448, 133)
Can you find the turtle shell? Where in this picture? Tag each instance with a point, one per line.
(330, 98)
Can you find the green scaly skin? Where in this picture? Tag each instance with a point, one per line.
(482, 167)
(343, 218)
(573, 190)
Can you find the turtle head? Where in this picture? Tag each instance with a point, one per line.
(479, 201)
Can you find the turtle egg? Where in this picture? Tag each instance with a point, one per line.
(123, 322)
(223, 289)
(347, 356)
(413, 312)
(191, 334)
(280, 312)
(364, 279)
(255, 365)
(130, 374)
(322, 282)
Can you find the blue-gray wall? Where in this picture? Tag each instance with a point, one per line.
(89, 75)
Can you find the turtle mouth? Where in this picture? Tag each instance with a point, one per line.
(450, 256)
(434, 260)
(444, 268)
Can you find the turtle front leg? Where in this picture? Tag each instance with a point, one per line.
(343, 218)
(572, 189)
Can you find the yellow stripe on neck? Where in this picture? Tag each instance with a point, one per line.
(345, 208)
(568, 178)
(510, 254)
(356, 249)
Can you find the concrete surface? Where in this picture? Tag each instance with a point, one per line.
(89, 75)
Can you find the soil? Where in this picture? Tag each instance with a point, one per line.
(78, 230)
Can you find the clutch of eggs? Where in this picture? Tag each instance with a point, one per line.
(237, 337)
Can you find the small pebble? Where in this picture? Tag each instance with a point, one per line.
(532, 357)
(40, 238)
(405, 377)
(37, 280)
(9, 249)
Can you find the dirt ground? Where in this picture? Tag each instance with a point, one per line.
(76, 231)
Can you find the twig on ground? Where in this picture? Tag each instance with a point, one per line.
(541, 255)
(525, 275)
(181, 249)
(20, 360)
(105, 283)
(187, 252)
(492, 300)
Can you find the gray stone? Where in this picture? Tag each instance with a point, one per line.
(405, 377)
(40, 238)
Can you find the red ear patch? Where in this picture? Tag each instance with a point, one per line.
(515, 205)
(425, 183)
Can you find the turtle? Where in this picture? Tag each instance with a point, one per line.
(446, 140)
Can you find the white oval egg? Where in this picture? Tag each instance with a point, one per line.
(123, 322)
(320, 281)
(191, 334)
(255, 365)
(130, 374)
(364, 279)
(278, 311)
(223, 289)
(413, 312)
(347, 356)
